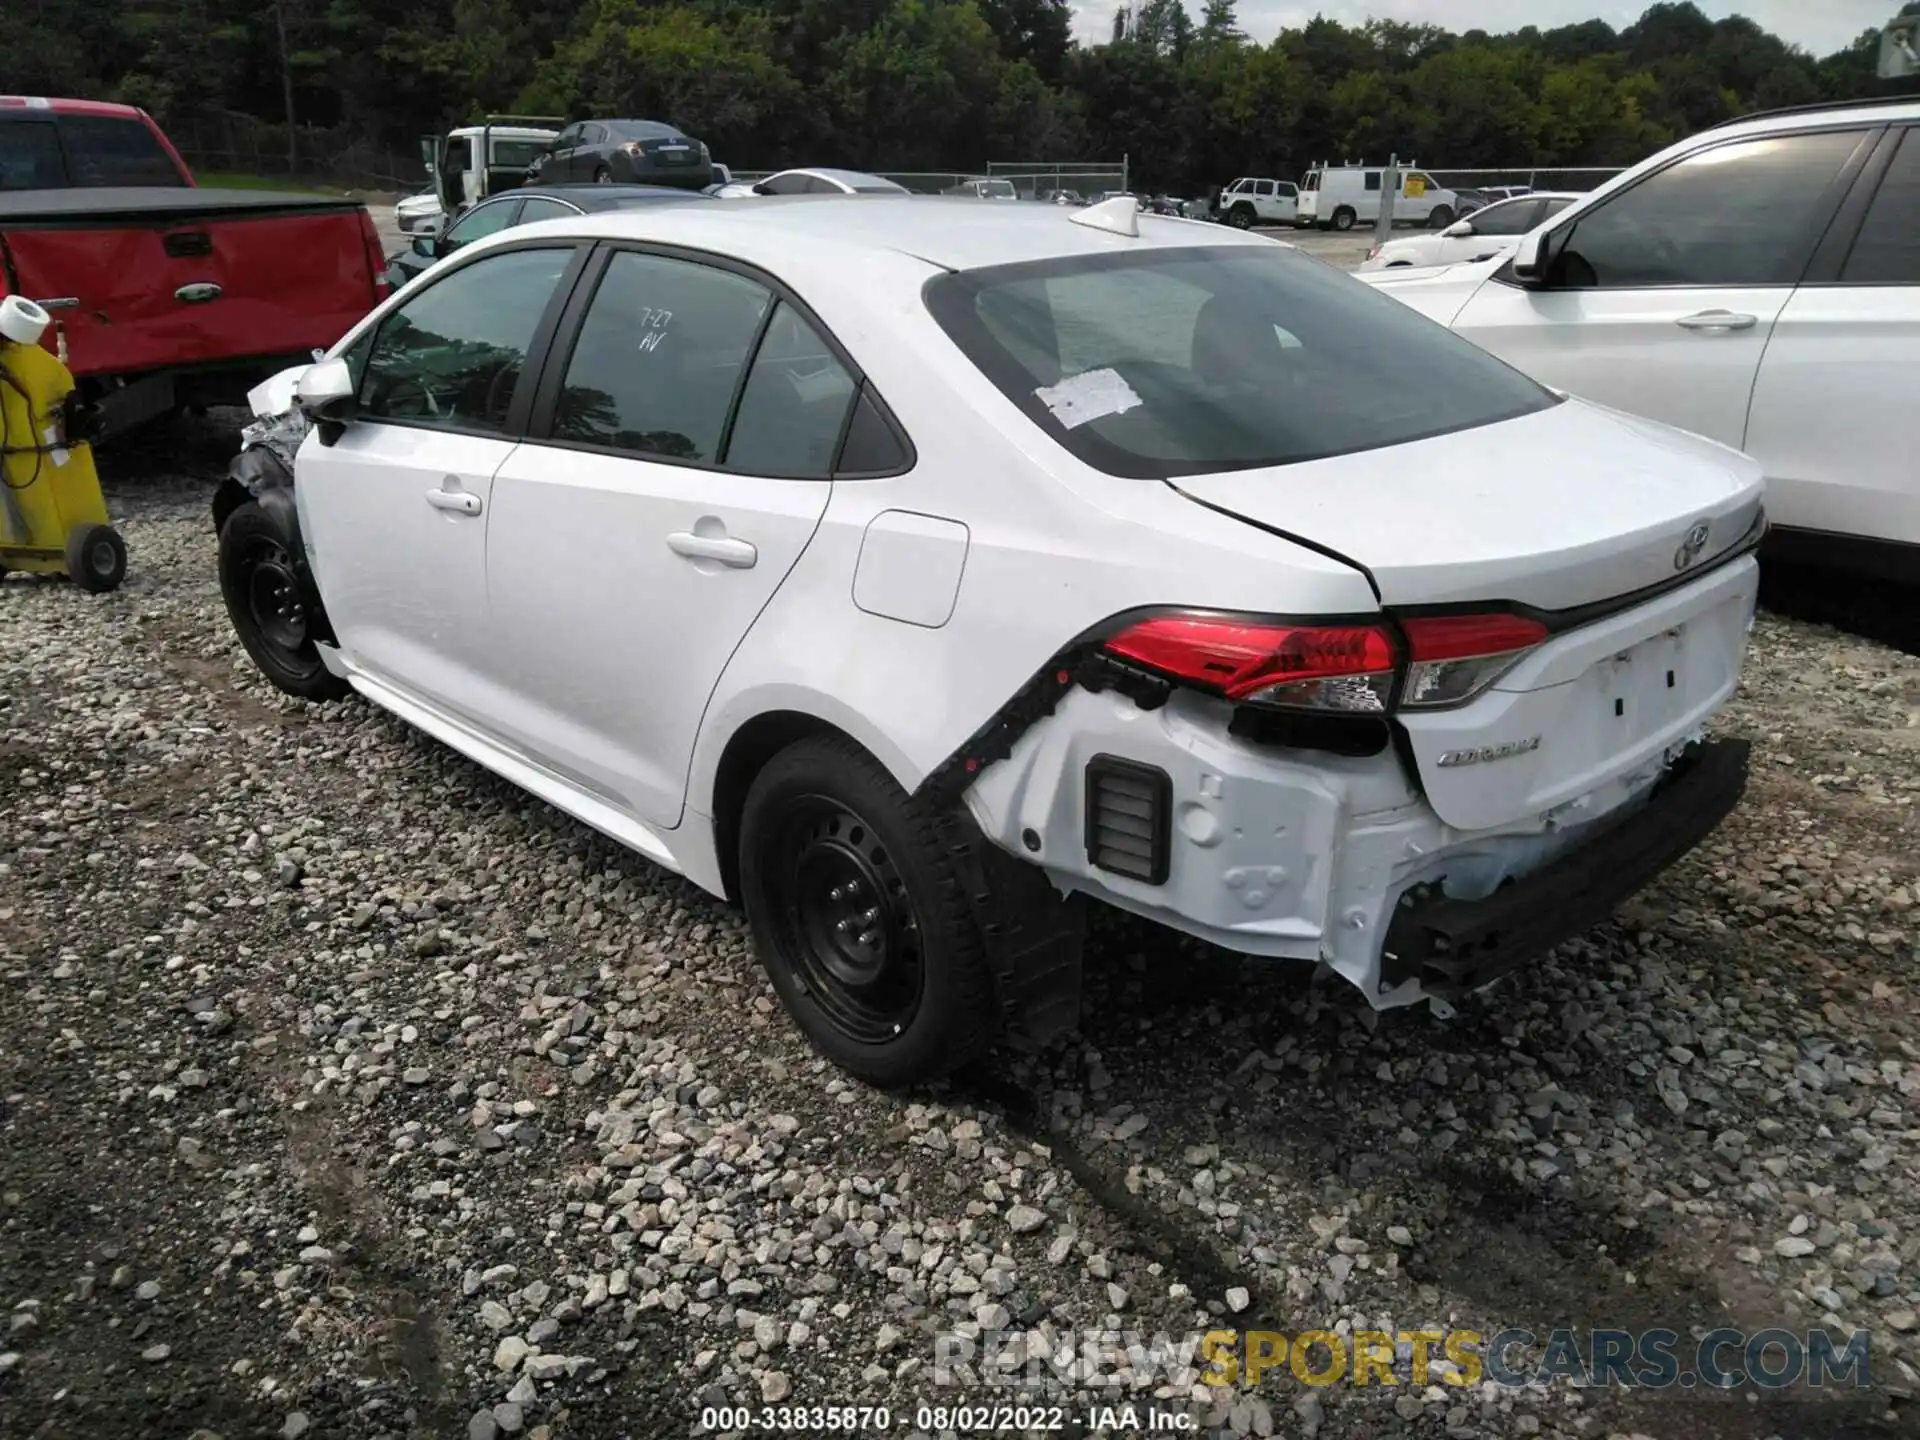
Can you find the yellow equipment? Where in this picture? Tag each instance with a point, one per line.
(53, 519)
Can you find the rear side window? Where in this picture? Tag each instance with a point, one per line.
(659, 357)
(794, 406)
(1183, 362)
(1887, 250)
(1373, 180)
(1747, 213)
(1509, 217)
(538, 207)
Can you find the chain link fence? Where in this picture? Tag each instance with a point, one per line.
(1088, 179)
(243, 145)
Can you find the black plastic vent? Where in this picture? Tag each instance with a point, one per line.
(188, 244)
(1128, 810)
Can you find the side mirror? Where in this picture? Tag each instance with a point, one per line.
(427, 247)
(1458, 230)
(326, 394)
(1530, 259)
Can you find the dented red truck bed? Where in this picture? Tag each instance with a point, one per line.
(168, 293)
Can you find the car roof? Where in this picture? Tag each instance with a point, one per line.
(845, 177)
(503, 132)
(603, 197)
(44, 104)
(952, 233)
(646, 129)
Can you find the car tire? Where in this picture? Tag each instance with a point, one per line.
(602, 175)
(96, 558)
(1440, 217)
(1241, 217)
(258, 582)
(859, 918)
(1343, 218)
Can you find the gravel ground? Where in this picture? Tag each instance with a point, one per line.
(346, 1091)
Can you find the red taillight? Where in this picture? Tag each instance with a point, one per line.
(376, 257)
(1352, 668)
(1454, 657)
(1322, 667)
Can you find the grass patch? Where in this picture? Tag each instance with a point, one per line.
(235, 180)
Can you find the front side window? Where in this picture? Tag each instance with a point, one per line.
(1312, 181)
(659, 357)
(459, 155)
(451, 357)
(1185, 362)
(1509, 217)
(1237, 186)
(794, 405)
(480, 221)
(999, 189)
(1746, 213)
(1887, 249)
(539, 207)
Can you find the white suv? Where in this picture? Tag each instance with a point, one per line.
(1758, 284)
(1251, 201)
(903, 567)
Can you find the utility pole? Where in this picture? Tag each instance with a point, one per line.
(1389, 192)
(286, 87)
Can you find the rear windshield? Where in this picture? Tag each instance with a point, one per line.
(1184, 362)
(67, 151)
(999, 187)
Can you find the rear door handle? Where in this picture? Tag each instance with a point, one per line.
(460, 502)
(728, 551)
(1717, 320)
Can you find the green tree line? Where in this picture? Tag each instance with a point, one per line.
(942, 84)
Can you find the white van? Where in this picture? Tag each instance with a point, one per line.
(1339, 197)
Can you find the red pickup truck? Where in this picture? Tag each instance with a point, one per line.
(166, 293)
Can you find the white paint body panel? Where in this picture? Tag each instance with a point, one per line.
(559, 640)
(1814, 389)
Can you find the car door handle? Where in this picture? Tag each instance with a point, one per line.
(737, 553)
(460, 502)
(1717, 320)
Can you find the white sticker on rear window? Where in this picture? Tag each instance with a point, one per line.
(1092, 395)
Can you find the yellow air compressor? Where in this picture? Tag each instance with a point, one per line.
(53, 519)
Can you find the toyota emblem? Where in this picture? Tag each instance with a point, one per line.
(1691, 547)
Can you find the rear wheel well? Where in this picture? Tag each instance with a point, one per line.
(750, 748)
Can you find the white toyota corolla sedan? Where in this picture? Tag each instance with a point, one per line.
(909, 569)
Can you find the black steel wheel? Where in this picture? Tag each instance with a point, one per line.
(858, 918)
(268, 608)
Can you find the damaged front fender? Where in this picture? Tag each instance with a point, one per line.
(263, 472)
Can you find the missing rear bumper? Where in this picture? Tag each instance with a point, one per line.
(1454, 946)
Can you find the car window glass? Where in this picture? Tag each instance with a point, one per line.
(787, 185)
(1373, 180)
(817, 185)
(1887, 250)
(1312, 181)
(1288, 189)
(30, 157)
(872, 446)
(459, 155)
(1266, 188)
(482, 220)
(1190, 361)
(104, 150)
(1553, 208)
(592, 134)
(659, 357)
(1509, 217)
(451, 356)
(794, 403)
(538, 207)
(1738, 214)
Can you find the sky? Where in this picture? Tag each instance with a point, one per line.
(1821, 26)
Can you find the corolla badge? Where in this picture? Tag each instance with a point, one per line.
(1480, 754)
(1691, 547)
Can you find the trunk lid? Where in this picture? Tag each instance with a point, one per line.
(172, 277)
(1569, 510)
(1566, 507)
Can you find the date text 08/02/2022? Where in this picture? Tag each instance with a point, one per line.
(1123, 1419)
